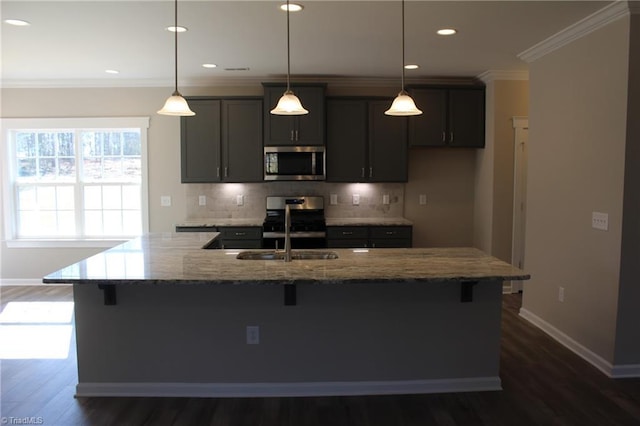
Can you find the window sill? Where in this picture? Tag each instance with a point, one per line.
(64, 243)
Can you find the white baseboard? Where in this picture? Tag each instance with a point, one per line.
(21, 282)
(613, 371)
(241, 390)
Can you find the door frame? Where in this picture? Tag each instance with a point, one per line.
(521, 142)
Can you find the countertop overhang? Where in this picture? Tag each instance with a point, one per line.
(179, 258)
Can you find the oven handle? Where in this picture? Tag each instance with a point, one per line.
(319, 234)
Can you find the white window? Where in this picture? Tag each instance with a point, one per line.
(75, 179)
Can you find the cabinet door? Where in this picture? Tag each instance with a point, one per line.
(242, 140)
(278, 129)
(346, 140)
(305, 129)
(387, 145)
(430, 128)
(466, 118)
(309, 128)
(200, 142)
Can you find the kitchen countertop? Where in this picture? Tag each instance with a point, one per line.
(178, 258)
(331, 221)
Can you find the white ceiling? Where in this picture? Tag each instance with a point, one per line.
(72, 43)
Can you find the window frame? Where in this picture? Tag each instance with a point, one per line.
(8, 172)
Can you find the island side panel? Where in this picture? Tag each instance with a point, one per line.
(168, 334)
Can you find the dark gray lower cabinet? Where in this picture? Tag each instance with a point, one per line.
(369, 236)
(363, 144)
(223, 141)
(231, 237)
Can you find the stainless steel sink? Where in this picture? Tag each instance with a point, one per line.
(280, 255)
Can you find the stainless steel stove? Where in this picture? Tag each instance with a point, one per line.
(308, 226)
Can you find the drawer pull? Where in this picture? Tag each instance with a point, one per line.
(347, 233)
(391, 232)
(240, 234)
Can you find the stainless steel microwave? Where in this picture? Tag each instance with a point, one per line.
(294, 163)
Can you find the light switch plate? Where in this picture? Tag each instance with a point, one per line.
(423, 199)
(165, 201)
(356, 199)
(202, 200)
(333, 199)
(239, 200)
(600, 221)
(385, 199)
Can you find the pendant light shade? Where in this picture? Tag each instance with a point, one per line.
(403, 104)
(176, 104)
(289, 104)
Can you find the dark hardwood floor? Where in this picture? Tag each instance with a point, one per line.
(544, 384)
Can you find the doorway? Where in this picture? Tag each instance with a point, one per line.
(521, 141)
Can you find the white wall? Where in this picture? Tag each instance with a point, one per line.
(578, 118)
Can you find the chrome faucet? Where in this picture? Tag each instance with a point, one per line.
(287, 233)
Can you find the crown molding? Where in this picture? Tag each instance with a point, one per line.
(493, 75)
(591, 23)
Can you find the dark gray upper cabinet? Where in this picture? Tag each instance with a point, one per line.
(223, 141)
(363, 144)
(451, 117)
(305, 129)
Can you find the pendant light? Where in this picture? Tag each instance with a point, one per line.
(403, 105)
(176, 104)
(289, 104)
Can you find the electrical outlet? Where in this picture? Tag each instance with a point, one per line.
(385, 199)
(560, 294)
(333, 199)
(202, 200)
(356, 199)
(422, 199)
(253, 335)
(600, 221)
(165, 201)
(239, 200)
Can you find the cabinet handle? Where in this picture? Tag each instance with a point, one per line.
(363, 172)
(240, 234)
(444, 137)
(451, 139)
(370, 172)
(226, 172)
(218, 172)
(391, 233)
(292, 135)
(297, 138)
(347, 233)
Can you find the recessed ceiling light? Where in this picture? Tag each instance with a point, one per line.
(209, 66)
(447, 31)
(17, 22)
(178, 29)
(293, 7)
(411, 67)
(112, 71)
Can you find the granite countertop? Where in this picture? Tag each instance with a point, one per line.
(367, 221)
(178, 258)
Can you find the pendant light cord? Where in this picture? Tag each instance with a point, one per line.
(175, 46)
(288, 50)
(402, 46)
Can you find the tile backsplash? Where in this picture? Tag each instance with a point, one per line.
(222, 198)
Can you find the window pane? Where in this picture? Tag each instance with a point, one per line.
(93, 197)
(47, 197)
(91, 146)
(25, 144)
(66, 223)
(46, 144)
(65, 145)
(132, 224)
(66, 198)
(26, 168)
(92, 169)
(112, 222)
(112, 168)
(28, 223)
(47, 223)
(47, 168)
(27, 199)
(93, 223)
(67, 167)
(132, 168)
(132, 144)
(111, 197)
(131, 197)
(112, 143)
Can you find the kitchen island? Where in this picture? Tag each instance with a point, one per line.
(161, 316)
